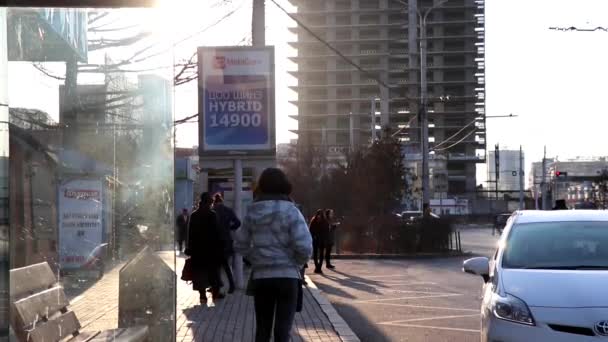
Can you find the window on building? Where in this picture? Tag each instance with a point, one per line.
(369, 92)
(454, 60)
(343, 122)
(369, 34)
(343, 20)
(396, 18)
(317, 121)
(344, 93)
(369, 19)
(317, 64)
(454, 45)
(343, 34)
(453, 15)
(369, 63)
(453, 75)
(319, 20)
(342, 5)
(457, 187)
(370, 49)
(344, 108)
(369, 4)
(454, 30)
(344, 78)
(342, 138)
(316, 108)
(317, 94)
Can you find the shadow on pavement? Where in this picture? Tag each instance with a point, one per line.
(361, 325)
(355, 282)
(329, 289)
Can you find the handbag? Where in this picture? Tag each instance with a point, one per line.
(187, 271)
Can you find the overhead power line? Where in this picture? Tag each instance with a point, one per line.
(184, 120)
(455, 134)
(456, 143)
(329, 46)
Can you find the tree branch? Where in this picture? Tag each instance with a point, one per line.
(46, 72)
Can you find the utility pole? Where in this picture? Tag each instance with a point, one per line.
(351, 131)
(496, 171)
(534, 177)
(258, 23)
(258, 38)
(373, 110)
(424, 122)
(543, 183)
(521, 179)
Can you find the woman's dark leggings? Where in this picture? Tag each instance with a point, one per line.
(318, 252)
(275, 301)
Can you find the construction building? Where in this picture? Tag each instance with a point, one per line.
(337, 101)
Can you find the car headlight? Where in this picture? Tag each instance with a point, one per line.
(511, 308)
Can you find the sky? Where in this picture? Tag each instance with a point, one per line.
(554, 82)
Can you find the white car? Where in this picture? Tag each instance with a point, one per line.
(548, 280)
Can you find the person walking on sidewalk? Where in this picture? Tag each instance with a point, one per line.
(182, 229)
(229, 223)
(331, 237)
(275, 239)
(319, 229)
(205, 247)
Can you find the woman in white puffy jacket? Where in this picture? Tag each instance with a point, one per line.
(275, 239)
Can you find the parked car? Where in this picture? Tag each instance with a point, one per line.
(410, 216)
(547, 279)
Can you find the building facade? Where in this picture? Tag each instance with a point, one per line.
(508, 170)
(578, 181)
(341, 107)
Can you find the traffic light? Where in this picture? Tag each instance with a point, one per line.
(561, 174)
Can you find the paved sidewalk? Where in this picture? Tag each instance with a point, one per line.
(232, 319)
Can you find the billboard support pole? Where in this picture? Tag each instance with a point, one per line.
(237, 261)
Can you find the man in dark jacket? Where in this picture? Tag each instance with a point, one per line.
(205, 247)
(319, 229)
(228, 222)
(182, 229)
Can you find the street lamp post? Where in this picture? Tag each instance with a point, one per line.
(424, 122)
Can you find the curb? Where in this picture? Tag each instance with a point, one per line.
(399, 256)
(338, 323)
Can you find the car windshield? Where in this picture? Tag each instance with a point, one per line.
(557, 245)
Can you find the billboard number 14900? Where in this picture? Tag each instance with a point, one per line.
(236, 120)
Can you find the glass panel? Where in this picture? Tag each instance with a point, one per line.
(91, 166)
(4, 223)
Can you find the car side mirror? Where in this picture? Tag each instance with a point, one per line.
(479, 266)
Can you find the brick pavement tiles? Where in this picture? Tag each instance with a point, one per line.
(232, 318)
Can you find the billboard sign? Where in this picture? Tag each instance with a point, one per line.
(236, 101)
(80, 222)
(47, 34)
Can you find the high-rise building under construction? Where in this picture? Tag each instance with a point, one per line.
(375, 74)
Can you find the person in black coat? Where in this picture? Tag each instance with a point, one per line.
(319, 229)
(206, 248)
(331, 237)
(182, 229)
(229, 222)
